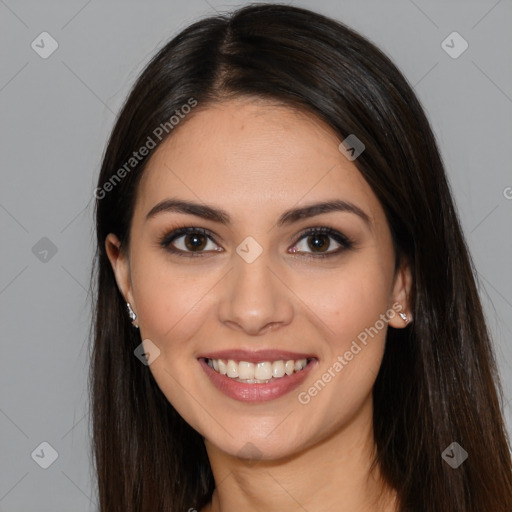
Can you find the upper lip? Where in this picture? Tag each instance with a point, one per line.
(252, 356)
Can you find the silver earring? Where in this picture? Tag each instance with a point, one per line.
(131, 314)
(404, 317)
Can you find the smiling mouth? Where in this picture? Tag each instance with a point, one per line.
(257, 373)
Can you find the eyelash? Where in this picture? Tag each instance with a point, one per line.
(343, 240)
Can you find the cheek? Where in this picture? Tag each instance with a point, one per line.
(169, 300)
(347, 300)
(351, 308)
(351, 303)
(172, 306)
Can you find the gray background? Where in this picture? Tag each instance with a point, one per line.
(56, 114)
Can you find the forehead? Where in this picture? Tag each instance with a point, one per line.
(254, 156)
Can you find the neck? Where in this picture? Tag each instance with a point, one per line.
(334, 474)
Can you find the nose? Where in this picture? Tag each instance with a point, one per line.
(254, 298)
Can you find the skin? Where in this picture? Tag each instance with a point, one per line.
(255, 160)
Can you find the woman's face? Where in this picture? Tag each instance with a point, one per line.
(254, 284)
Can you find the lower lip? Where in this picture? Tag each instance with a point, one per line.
(256, 392)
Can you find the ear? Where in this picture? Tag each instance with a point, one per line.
(400, 302)
(121, 267)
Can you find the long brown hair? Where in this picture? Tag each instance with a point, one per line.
(438, 381)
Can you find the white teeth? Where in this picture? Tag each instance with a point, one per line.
(278, 369)
(222, 367)
(245, 370)
(261, 372)
(232, 369)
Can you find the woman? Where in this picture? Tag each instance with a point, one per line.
(287, 316)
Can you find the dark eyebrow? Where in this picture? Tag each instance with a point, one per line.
(288, 217)
(336, 205)
(200, 210)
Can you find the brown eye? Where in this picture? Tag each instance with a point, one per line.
(189, 241)
(319, 242)
(195, 241)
